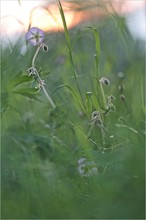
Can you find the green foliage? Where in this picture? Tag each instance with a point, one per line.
(41, 146)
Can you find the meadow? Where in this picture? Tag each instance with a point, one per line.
(84, 157)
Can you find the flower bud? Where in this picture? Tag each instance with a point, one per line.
(45, 48)
(89, 93)
(121, 75)
(111, 97)
(105, 81)
(121, 88)
(122, 97)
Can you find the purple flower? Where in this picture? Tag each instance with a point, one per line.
(35, 36)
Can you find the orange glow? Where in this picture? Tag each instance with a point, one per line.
(49, 18)
(17, 18)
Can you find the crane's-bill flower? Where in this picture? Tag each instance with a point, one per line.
(35, 36)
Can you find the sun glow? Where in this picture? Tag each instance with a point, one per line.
(49, 18)
(17, 17)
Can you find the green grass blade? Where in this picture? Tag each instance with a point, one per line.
(64, 24)
(97, 48)
(100, 90)
(70, 50)
(72, 92)
(87, 137)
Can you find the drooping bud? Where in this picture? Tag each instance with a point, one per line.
(105, 81)
(122, 97)
(45, 47)
(121, 88)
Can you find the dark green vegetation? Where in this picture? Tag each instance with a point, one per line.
(41, 146)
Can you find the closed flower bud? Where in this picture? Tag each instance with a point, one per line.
(121, 75)
(45, 48)
(121, 88)
(122, 97)
(89, 93)
(105, 81)
(111, 97)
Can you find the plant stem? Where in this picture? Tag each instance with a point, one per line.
(103, 136)
(70, 50)
(48, 97)
(103, 98)
(75, 76)
(35, 55)
(40, 80)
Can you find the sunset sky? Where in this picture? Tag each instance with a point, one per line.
(15, 17)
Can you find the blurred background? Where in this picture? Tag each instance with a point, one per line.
(17, 16)
(50, 169)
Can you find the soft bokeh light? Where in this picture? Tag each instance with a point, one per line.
(49, 18)
(17, 17)
(137, 24)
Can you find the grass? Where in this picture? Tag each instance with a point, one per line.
(41, 146)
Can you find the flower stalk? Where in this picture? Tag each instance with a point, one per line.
(35, 36)
(35, 55)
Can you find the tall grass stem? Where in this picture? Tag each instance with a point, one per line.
(70, 49)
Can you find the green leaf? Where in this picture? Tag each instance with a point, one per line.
(4, 101)
(28, 92)
(21, 79)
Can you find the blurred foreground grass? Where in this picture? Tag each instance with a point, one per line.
(41, 147)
